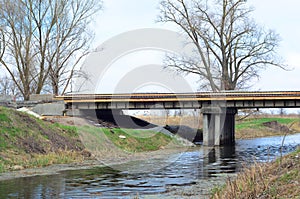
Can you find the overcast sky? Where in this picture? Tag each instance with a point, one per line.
(120, 16)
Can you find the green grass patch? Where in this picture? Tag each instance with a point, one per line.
(288, 177)
(29, 142)
(62, 157)
(217, 189)
(137, 141)
(257, 123)
(69, 129)
(3, 143)
(4, 118)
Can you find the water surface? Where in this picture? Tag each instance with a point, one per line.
(150, 177)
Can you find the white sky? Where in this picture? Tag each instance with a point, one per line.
(120, 16)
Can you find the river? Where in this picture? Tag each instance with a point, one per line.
(194, 171)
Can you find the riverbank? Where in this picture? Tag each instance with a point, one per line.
(30, 146)
(246, 128)
(27, 142)
(278, 179)
(190, 174)
(266, 126)
(89, 164)
(112, 151)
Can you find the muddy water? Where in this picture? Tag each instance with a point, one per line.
(200, 167)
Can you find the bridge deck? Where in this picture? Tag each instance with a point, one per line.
(239, 100)
(174, 97)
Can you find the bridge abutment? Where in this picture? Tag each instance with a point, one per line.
(218, 126)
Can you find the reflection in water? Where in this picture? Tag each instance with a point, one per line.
(182, 170)
(39, 187)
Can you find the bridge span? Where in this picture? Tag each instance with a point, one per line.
(218, 109)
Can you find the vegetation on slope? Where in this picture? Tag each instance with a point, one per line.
(27, 142)
(251, 127)
(111, 144)
(256, 127)
(278, 179)
(137, 141)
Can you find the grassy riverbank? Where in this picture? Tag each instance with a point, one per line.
(263, 126)
(278, 179)
(252, 127)
(27, 142)
(136, 140)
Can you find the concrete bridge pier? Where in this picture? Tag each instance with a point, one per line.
(218, 126)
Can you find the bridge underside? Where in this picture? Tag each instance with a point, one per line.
(218, 109)
(238, 104)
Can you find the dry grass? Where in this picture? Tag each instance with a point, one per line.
(279, 179)
(254, 133)
(253, 127)
(191, 121)
(244, 132)
(19, 162)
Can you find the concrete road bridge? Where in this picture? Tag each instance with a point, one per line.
(218, 109)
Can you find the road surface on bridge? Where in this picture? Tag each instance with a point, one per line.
(201, 96)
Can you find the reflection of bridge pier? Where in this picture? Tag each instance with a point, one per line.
(218, 109)
(218, 160)
(214, 154)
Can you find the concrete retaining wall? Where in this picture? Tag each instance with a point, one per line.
(41, 97)
(7, 98)
(50, 109)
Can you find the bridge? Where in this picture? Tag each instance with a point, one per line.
(218, 109)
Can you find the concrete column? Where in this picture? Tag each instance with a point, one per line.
(227, 134)
(210, 125)
(218, 129)
(218, 126)
(208, 132)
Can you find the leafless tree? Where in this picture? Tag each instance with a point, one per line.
(71, 42)
(230, 48)
(42, 38)
(282, 112)
(2, 42)
(8, 87)
(245, 113)
(19, 54)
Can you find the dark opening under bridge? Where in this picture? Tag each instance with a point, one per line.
(218, 109)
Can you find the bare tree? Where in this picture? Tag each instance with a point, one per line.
(8, 87)
(71, 42)
(230, 48)
(41, 38)
(25, 45)
(282, 112)
(2, 42)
